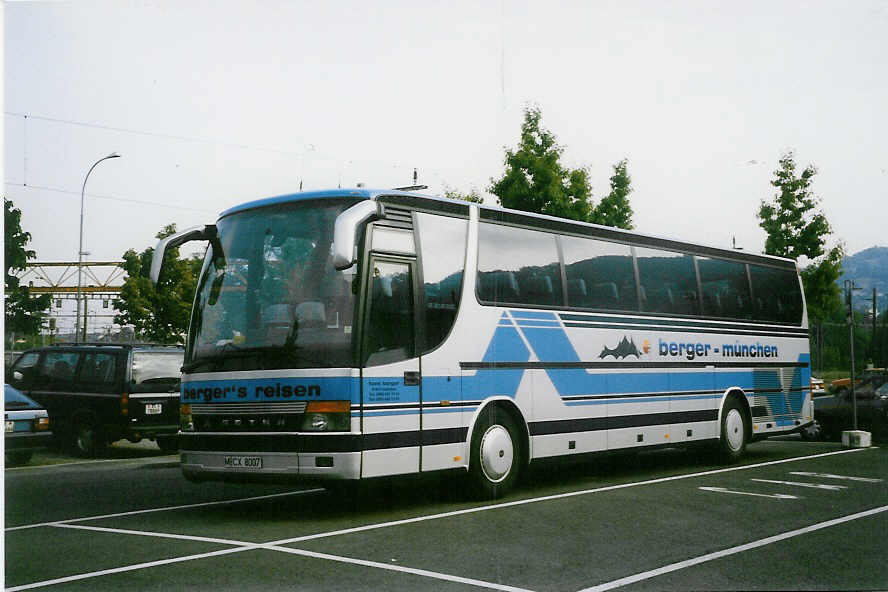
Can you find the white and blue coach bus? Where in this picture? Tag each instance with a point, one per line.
(350, 334)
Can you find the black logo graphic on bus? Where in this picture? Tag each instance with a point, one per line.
(624, 349)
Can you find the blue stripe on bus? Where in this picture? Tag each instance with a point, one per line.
(530, 314)
(283, 389)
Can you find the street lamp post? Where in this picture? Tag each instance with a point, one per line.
(80, 252)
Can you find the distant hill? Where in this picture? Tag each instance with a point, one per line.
(868, 269)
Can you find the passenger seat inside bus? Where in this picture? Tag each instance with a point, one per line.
(604, 294)
(499, 286)
(576, 292)
(538, 290)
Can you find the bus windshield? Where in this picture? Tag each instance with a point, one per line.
(272, 298)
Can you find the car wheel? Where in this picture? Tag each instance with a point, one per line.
(734, 430)
(812, 432)
(496, 454)
(88, 438)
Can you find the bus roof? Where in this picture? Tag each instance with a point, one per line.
(494, 212)
(320, 194)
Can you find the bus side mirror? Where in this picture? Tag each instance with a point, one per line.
(345, 231)
(195, 233)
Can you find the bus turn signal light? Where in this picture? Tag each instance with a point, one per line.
(328, 407)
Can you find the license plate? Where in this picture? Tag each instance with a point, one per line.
(243, 462)
(153, 408)
(10, 426)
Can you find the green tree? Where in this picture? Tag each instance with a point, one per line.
(614, 210)
(158, 313)
(472, 196)
(797, 228)
(822, 292)
(24, 314)
(535, 180)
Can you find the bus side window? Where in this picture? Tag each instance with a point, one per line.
(528, 256)
(600, 274)
(669, 280)
(725, 288)
(442, 247)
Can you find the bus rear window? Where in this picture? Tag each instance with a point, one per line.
(777, 295)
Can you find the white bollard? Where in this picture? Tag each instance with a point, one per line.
(856, 439)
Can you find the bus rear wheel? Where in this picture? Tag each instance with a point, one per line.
(734, 431)
(496, 455)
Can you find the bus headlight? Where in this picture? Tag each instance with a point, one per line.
(319, 422)
(327, 416)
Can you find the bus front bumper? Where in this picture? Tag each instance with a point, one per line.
(270, 466)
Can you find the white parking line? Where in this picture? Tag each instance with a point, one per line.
(771, 495)
(277, 545)
(445, 514)
(726, 552)
(555, 497)
(126, 568)
(831, 476)
(826, 486)
(241, 546)
(161, 535)
(165, 509)
(400, 568)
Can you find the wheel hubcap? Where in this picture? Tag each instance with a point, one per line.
(497, 453)
(734, 429)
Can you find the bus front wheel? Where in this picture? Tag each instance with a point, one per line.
(496, 456)
(734, 431)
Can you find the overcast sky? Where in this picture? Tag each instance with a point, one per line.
(216, 103)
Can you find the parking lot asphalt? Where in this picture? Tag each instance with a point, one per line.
(791, 516)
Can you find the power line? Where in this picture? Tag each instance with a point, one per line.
(110, 198)
(151, 134)
(298, 154)
(319, 155)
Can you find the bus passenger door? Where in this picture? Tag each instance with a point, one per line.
(391, 381)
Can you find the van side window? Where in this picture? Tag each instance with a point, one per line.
(97, 372)
(58, 369)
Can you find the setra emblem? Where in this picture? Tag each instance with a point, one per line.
(624, 349)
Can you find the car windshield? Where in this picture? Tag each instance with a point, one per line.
(272, 298)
